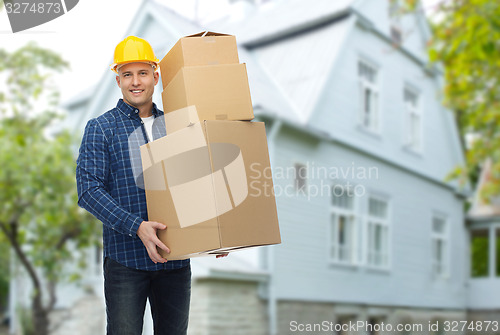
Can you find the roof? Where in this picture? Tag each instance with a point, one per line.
(270, 22)
(300, 65)
(265, 92)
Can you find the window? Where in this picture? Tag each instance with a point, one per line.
(375, 325)
(368, 116)
(395, 13)
(396, 35)
(300, 177)
(497, 252)
(479, 253)
(378, 233)
(343, 229)
(439, 245)
(344, 321)
(413, 119)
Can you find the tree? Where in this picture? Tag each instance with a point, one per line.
(466, 42)
(38, 201)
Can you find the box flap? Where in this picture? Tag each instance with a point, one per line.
(168, 146)
(204, 48)
(207, 33)
(181, 118)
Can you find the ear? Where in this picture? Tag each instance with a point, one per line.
(118, 81)
(156, 76)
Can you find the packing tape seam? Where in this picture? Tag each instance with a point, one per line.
(228, 189)
(150, 152)
(219, 231)
(164, 173)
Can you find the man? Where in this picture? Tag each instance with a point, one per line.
(134, 271)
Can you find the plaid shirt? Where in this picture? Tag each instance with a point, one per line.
(109, 185)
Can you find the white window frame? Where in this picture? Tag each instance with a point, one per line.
(440, 268)
(413, 138)
(373, 222)
(335, 249)
(369, 120)
(300, 178)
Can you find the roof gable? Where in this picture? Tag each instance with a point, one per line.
(413, 26)
(301, 64)
(282, 18)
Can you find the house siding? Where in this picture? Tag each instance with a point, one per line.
(302, 267)
(337, 109)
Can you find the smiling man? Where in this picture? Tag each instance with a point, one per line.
(134, 271)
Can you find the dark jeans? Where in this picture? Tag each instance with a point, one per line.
(126, 291)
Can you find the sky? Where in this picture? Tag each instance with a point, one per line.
(87, 35)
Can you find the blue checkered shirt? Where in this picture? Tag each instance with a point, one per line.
(107, 187)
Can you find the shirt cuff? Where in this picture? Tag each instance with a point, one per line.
(135, 226)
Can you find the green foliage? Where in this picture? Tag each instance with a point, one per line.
(466, 43)
(4, 276)
(479, 250)
(38, 203)
(39, 192)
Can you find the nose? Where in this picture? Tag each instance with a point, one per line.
(135, 80)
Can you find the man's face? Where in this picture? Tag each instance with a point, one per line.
(137, 82)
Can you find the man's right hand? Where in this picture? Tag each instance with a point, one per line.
(147, 234)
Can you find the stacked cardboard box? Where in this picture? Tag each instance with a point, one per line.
(209, 180)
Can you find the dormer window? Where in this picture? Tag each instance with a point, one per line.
(395, 13)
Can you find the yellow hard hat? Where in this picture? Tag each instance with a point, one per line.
(134, 49)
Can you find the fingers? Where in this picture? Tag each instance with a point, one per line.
(158, 225)
(147, 233)
(154, 254)
(161, 245)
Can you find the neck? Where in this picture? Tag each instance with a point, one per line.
(146, 110)
(145, 113)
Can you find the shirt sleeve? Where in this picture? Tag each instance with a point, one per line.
(92, 172)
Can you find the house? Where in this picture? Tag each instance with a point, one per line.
(360, 146)
(483, 220)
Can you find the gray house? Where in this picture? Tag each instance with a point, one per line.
(360, 146)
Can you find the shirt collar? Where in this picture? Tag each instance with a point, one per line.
(131, 111)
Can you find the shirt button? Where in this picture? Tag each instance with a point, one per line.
(136, 111)
(130, 235)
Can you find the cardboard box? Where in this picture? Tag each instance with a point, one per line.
(181, 119)
(211, 184)
(199, 49)
(219, 92)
